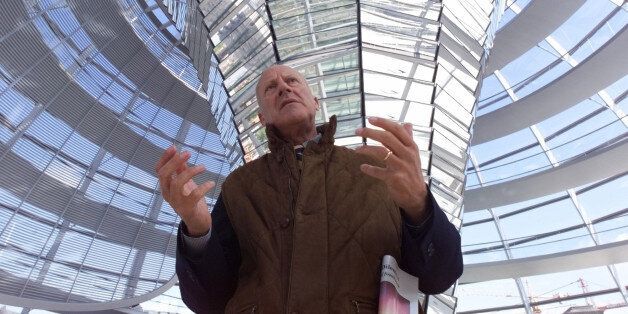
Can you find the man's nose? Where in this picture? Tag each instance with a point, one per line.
(284, 88)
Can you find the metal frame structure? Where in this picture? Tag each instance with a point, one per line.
(420, 62)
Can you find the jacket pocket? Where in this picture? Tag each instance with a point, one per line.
(249, 308)
(362, 305)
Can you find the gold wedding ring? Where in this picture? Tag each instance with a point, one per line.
(388, 155)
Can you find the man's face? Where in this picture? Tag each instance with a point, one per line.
(285, 98)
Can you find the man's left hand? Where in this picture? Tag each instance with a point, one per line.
(402, 173)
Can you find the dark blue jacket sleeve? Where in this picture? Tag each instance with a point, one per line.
(432, 251)
(207, 281)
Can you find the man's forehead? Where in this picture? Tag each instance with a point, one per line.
(275, 70)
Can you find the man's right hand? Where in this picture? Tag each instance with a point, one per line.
(182, 193)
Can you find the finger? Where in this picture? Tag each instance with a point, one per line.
(375, 172)
(189, 186)
(168, 153)
(186, 175)
(410, 129)
(377, 152)
(386, 138)
(165, 178)
(182, 167)
(201, 190)
(173, 164)
(393, 127)
(165, 188)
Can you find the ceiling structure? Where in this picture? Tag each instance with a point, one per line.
(91, 95)
(417, 62)
(545, 223)
(523, 131)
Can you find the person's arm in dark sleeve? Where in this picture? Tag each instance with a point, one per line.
(431, 250)
(208, 278)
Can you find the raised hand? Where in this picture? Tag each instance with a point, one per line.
(402, 173)
(182, 193)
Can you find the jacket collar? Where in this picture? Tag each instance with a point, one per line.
(278, 146)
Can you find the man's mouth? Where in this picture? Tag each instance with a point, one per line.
(286, 102)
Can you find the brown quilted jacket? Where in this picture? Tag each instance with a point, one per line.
(312, 236)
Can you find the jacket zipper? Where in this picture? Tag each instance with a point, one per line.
(254, 309)
(293, 203)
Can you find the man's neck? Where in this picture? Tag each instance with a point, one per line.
(297, 136)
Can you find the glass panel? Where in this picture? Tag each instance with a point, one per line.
(508, 16)
(384, 85)
(602, 35)
(453, 145)
(487, 294)
(251, 29)
(515, 166)
(387, 64)
(598, 131)
(582, 22)
(425, 9)
(343, 106)
(613, 230)
(59, 214)
(571, 115)
(287, 8)
(297, 45)
(596, 201)
(501, 146)
(419, 114)
(528, 64)
(491, 87)
(547, 218)
(474, 216)
(564, 241)
(618, 88)
(545, 78)
(481, 243)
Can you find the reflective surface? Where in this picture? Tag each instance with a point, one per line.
(580, 217)
(83, 221)
(414, 62)
(91, 94)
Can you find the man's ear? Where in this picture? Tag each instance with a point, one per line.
(262, 120)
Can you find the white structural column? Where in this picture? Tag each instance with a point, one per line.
(604, 161)
(560, 175)
(608, 101)
(86, 307)
(522, 291)
(581, 210)
(602, 68)
(525, 299)
(555, 163)
(595, 256)
(566, 56)
(539, 19)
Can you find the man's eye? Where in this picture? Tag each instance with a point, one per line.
(271, 87)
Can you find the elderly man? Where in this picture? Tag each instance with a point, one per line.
(304, 228)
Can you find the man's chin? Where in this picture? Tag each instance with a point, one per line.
(291, 106)
(293, 110)
(293, 119)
